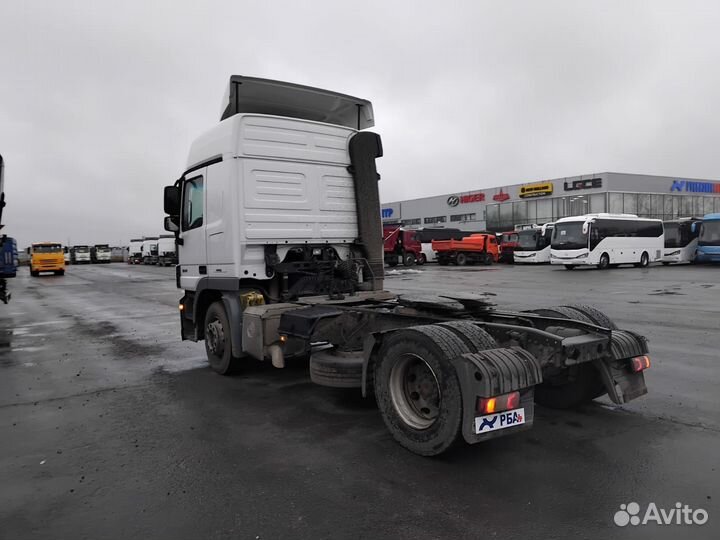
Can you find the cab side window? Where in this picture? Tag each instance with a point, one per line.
(192, 208)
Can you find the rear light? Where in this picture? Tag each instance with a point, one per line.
(496, 404)
(639, 363)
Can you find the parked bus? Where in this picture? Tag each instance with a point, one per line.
(681, 239)
(46, 257)
(708, 247)
(534, 245)
(605, 240)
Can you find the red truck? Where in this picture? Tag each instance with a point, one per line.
(476, 248)
(508, 242)
(402, 246)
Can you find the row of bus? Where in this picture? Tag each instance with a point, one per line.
(601, 240)
(605, 240)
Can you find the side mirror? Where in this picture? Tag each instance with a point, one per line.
(693, 227)
(171, 224)
(27, 250)
(585, 227)
(171, 200)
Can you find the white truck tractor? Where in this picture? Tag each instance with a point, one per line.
(167, 254)
(150, 250)
(277, 223)
(135, 251)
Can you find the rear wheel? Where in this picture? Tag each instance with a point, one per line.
(595, 315)
(217, 340)
(461, 259)
(392, 262)
(604, 261)
(417, 388)
(409, 259)
(442, 261)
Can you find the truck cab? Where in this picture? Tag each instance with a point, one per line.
(101, 253)
(167, 254)
(402, 246)
(46, 257)
(135, 255)
(80, 254)
(150, 250)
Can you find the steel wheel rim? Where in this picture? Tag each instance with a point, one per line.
(215, 337)
(415, 391)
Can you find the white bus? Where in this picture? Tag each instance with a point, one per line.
(534, 245)
(605, 240)
(681, 240)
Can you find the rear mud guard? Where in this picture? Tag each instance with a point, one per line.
(492, 373)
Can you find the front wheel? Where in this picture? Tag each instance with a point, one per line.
(409, 259)
(422, 259)
(461, 259)
(604, 263)
(218, 346)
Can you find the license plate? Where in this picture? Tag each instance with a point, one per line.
(502, 420)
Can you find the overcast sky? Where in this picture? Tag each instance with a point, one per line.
(99, 101)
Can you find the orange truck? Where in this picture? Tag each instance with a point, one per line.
(46, 257)
(476, 248)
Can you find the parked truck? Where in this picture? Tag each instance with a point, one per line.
(167, 254)
(271, 272)
(80, 254)
(101, 254)
(477, 248)
(509, 240)
(135, 255)
(150, 250)
(8, 246)
(46, 257)
(401, 246)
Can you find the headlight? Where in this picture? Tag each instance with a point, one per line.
(673, 253)
(583, 256)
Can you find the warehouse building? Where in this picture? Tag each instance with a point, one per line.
(503, 208)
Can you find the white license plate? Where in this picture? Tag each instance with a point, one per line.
(502, 420)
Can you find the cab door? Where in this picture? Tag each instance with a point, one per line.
(192, 250)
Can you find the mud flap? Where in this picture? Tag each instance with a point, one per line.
(621, 384)
(492, 373)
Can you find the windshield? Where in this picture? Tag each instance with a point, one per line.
(507, 238)
(569, 236)
(528, 240)
(47, 248)
(709, 233)
(80, 249)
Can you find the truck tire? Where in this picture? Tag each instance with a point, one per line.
(595, 315)
(417, 389)
(422, 259)
(443, 261)
(475, 338)
(217, 340)
(34, 273)
(338, 369)
(461, 259)
(409, 259)
(586, 385)
(392, 262)
(563, 312)
(487, 260)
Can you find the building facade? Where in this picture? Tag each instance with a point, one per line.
(503, 208)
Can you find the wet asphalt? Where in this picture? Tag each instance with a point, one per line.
(111, 427)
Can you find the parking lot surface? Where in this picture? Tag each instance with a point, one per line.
(114, 428)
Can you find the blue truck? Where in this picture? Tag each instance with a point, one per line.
(708, 247)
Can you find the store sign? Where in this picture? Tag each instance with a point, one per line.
(454, 200)
(593, 183)
(501, 196)
(695, 187)
(539, 189)
(386, 213)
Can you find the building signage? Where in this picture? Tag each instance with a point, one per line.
(386, 213)
(592, 183)
(695, 187)
(539, 189)
(501, 196)
(454, 200)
